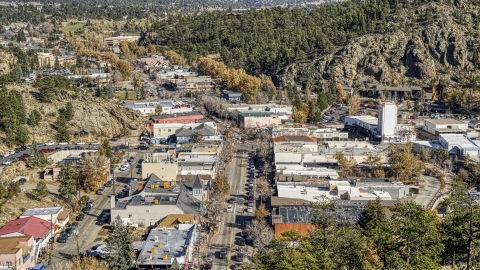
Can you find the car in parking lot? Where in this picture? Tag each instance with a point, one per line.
(74, 225)
(244, 234)
(68, 148)
(223, 253)
(80, 217)
(251, 198)
(94, 143)
(250, 209)
(124, 167)
(100, 191)
(6, 162)
(251, 202)
(49, 143)
(86, 209)
(63, 143)
(108, 184)
(80, 143)
(22, 180)
(69, 231)
(229, 208)
(232, 200)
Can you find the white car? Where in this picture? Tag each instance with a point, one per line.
(63, 143)
(6, 154)
(11, 152)
(250, 185)
(229, 208)
(95, 143)
(49, 143)
(6, 162)
(123, 168)
(250, 209)
(80, 143)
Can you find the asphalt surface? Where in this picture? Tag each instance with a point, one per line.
(231, 227)
(89, 232)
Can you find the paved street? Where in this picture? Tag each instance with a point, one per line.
(89, 233)
(230, 229)
(426, 194)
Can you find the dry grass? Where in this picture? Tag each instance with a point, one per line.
(140, 233)
(15, 206)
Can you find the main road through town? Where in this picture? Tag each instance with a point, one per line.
(231, 226)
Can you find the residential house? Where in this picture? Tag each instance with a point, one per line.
(41, 230)
(155, 61)
(49, 214)
(17, 252)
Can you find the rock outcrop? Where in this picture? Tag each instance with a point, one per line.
(435, 50)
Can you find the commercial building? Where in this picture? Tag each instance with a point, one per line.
(321, 134)
(324, 156)
(302, 141)
(444, 126)
(364, 124)
(177, 118)
(168, 107)
(161, 163)
(231, 96)
(164, 131)
(115, 41)
(202, 132)
(155, 199)
(459, 144)
(387, 121)
(167, 248)
(17, 252)
(255, 119)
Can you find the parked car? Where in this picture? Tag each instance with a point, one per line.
(45, 150)
(68, 148)
(80, 217)
(232, 200)
(223, 253)
(86, 209)
(62, 239)
(240, 256)
(242, 241)
(108, 184)
(74, 225)
(91, 203)
(101, 191)
(95, 143)
(63, 143)
(229, 208)
(6, 162)
(80, 143)
(22, 180)
(250, 209)
(49, 143)
(15, 159)
(244, 233)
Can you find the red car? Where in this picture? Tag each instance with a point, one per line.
(44, 150)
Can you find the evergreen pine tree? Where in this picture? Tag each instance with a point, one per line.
(41, 190)
(322, 102)
(69, 111)
(105, 149)
(119, 244)
(67, 188)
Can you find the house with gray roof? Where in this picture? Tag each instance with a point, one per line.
(187, 134)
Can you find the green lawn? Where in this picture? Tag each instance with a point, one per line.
(121, 95)
(72, 27)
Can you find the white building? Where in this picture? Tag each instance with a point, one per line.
(387, 120)
(442, 126)
(459, 144)
(168, 106)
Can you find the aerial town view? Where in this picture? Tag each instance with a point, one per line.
(249, 134)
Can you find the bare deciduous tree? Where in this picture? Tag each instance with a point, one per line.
(260, 233)
(263, 189)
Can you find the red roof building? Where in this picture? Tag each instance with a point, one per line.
(34, 226)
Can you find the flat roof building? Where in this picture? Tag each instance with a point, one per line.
(444, 126)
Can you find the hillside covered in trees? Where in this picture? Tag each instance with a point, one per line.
(390, 41)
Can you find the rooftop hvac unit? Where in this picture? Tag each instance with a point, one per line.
(155, 201)
(155, 238)
(164, 257)
(154, 251)
(159, 245)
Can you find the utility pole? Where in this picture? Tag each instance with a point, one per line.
(78, 248)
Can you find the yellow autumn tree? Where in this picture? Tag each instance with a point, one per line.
(174, 58)
(341, 94)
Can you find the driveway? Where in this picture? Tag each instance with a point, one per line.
(430, 187)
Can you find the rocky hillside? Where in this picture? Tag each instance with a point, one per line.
(103, 117)
(440, 47)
